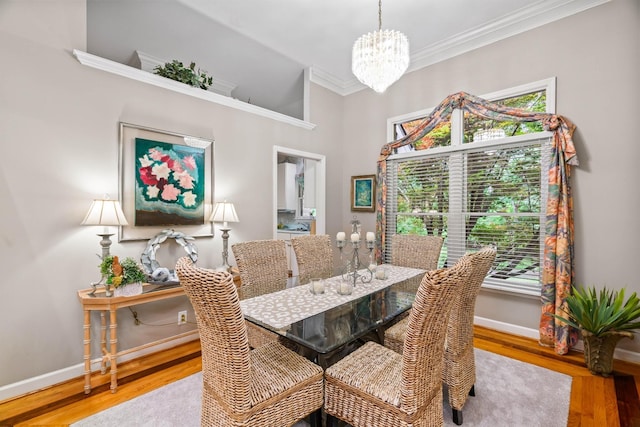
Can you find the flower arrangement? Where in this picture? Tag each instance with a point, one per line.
(121, 273)
(175, 70)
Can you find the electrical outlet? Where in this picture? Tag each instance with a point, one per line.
(182, 317)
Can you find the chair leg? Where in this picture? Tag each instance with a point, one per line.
(457, 416)
(315, 418)
(332, 421)
(472, 392)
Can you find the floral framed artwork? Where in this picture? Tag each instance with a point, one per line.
(363, 193)
(166, 181)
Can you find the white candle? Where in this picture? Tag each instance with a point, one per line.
(345, 288)
(370, 236)
(340, 236)
(381, 273)
(355, 237)
(318, 286)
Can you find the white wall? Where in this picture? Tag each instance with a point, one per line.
(595, 56)
(59, 134)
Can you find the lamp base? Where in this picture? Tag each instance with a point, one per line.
(105, 243)
(225, 251)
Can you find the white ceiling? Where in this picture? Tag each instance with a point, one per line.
(263, 46)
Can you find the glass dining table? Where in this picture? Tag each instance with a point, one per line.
(328, 325)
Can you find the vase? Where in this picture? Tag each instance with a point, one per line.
(128, 290)
(598, 350)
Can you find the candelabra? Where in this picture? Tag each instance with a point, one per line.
(354, 270)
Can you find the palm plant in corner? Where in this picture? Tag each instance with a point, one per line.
(603, 318)
(175, 70)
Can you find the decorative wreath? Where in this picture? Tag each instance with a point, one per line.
(148, 258)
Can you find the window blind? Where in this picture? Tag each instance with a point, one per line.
(475, 195)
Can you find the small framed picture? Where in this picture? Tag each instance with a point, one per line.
(363, 193)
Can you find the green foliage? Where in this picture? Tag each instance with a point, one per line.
(410, 225)
(601, 312)
(175, 70)
(131, 271)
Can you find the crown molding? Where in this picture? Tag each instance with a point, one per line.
(525, 19)
(129, 72)
(333, 83)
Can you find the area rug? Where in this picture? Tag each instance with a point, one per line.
(508, 393)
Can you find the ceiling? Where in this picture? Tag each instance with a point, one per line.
(260, 48)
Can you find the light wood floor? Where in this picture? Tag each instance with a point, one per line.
(595, 401)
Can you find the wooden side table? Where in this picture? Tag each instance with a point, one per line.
(104, 304)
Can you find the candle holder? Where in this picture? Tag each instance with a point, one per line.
(354, 270)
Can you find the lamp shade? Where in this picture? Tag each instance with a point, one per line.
(105, 212)
(224, 212)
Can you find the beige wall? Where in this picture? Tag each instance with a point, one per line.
(59, 134)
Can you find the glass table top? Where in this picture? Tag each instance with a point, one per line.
(330, 320)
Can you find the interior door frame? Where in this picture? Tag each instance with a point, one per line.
(321, 178)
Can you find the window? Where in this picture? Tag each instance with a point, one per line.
(475, 183)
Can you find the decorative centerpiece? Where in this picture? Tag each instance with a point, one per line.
(126, 277)
(354, 269)
(175, 70)
(603, 318)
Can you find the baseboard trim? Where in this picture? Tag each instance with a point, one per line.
(620, 354)
(506, 327)
(49, 379)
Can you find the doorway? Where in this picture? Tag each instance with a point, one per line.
(307, 187)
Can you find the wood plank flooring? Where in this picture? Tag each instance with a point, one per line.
(595, 401)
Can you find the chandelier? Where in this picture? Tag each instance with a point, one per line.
(380, 58)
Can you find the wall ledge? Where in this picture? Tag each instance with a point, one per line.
(143, 76)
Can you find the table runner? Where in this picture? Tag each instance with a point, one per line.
(283, 308)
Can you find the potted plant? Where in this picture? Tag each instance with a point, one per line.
(175, 70)
(126, 276)
(603, 318)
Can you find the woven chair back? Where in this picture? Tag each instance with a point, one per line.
(262, 265)
(226, 368)
(411, 250)
(314, 255)
(460, 327)
(422, 357)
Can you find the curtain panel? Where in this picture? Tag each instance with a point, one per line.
(557, 270)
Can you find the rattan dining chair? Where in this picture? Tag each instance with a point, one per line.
(415, 251)
(375, 386)
(314, 254)
(459, 372)
(412, 250)
(266, 386)
(262, 265)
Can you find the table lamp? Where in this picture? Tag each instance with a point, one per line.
(224, 212)
(105, 212)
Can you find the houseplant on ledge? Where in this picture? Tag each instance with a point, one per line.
(175, 70)
(126, 276)
(603, 318)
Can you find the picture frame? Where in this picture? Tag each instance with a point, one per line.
(363, 193)
(166, 181)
